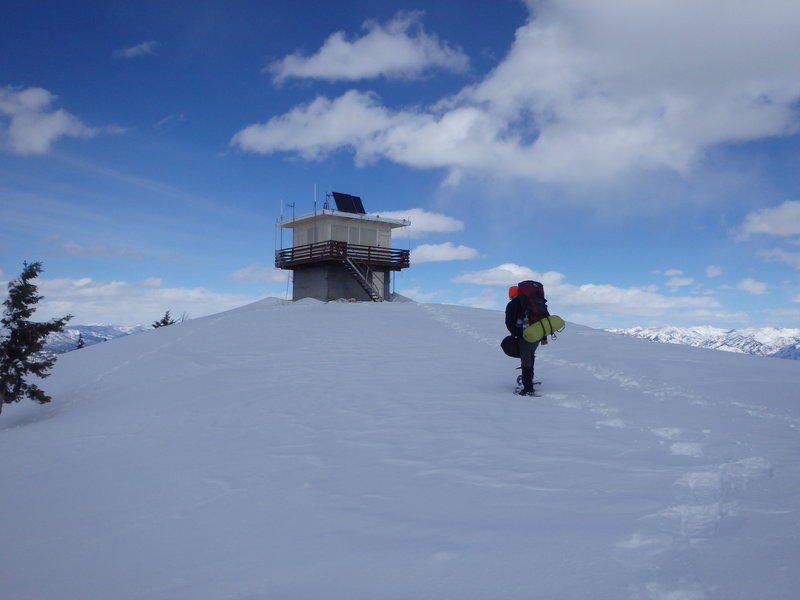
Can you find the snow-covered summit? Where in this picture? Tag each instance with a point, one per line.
(375, 451)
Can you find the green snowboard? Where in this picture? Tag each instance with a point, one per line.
(543, 328)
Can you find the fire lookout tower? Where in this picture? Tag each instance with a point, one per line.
(342, 253)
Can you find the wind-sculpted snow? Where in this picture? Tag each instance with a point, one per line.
(375, 451)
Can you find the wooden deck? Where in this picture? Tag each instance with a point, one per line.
(337, 252)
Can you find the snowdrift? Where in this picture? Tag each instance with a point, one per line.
(375, 451)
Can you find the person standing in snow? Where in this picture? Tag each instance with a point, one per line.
(526, 306)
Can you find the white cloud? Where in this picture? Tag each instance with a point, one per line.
(123, 303)
(509, 274)
(783, 220)
(703, 316)
(441, 252)
(137, 51)
(417, 295)
(258, 274)
(457, 139)
(777, 255)
(152, 282)
(315, 129)
(673, 272)
(590, 90)
(679, 282)
(399, 49)
(487, 298)
(635, 301)
(751, 285)
(628, 301)
(713, 271)
(424, 222)
(29, 126)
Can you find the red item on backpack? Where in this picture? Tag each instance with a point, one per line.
(533, 291)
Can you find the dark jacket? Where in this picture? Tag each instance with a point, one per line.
(515, 312)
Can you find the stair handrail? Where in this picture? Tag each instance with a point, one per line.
(362, 279)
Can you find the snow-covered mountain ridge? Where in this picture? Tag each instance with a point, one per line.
(67, 340)
(767, 341)
(374, 451)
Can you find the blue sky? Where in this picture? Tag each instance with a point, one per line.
(642, 161)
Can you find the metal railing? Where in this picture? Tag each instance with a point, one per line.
(333, 251)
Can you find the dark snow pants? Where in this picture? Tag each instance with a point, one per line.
(527, 352)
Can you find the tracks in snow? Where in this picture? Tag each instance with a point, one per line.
(707, 496)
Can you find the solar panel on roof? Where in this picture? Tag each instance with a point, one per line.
(348, 203)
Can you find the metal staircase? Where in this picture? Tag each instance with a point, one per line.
(361, 279)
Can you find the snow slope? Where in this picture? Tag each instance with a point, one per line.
(375, 451)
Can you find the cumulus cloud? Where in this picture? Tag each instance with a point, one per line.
(424, 222)
(777, 255)
(782, 220)
(509, 274)
(317, 128)
(30, 126)
(124, 303)
(137, 51)
(401, 48)
(461, 138)
(259, 274)
(441, 252)
(749, 284)
(590, 90)
(713, 271)
(678, 282)
(634, 301)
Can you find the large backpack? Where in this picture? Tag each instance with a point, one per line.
(531, 294)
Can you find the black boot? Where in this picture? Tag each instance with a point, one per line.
(527, 382)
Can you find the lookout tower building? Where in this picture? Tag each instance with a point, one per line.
(342, 253)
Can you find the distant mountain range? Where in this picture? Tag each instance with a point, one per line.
(766, 341)
(67, 340)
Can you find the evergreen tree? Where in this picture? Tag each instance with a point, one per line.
(23, 339)
(165, 320)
